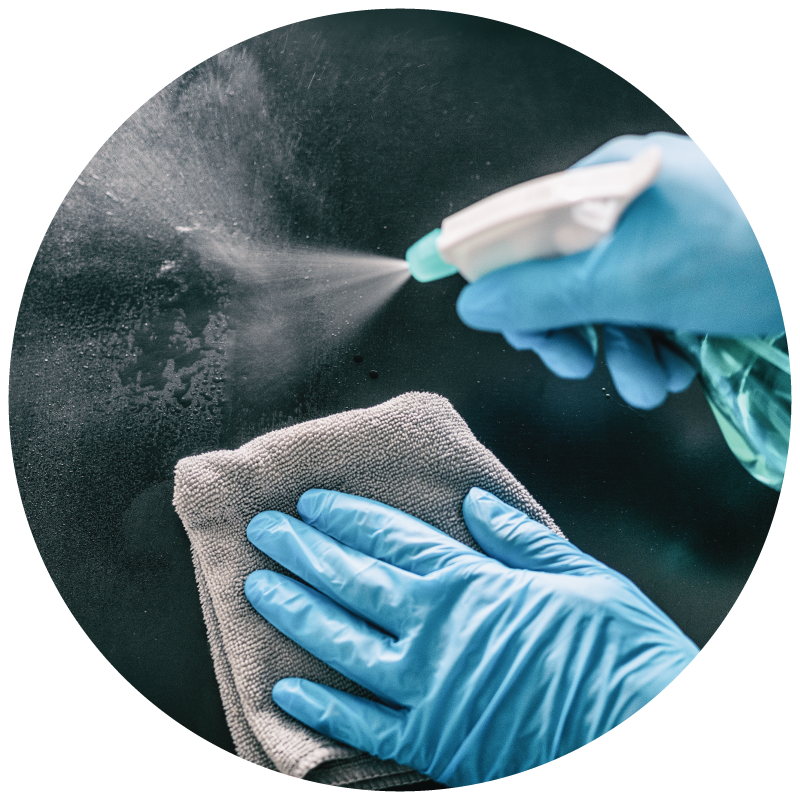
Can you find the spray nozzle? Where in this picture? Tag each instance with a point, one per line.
(424, 261)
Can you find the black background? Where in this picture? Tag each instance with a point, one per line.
(138, 343)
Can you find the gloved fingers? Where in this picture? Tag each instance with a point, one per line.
(361, 723)
(567, 352)
(516, 540)
(680, 373)
(362, 584)
(328, 631)
(638, 375)
(381, 531)
(534, 295)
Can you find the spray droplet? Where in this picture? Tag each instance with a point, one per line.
(358, 359)
(373, 373)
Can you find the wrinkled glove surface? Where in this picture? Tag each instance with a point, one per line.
(483, 664)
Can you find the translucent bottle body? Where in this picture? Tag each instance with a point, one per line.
(748, 386)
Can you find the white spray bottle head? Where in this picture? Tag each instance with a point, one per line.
(552, 216)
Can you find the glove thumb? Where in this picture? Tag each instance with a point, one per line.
(516, 540)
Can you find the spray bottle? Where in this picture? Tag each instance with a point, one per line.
(746, 381)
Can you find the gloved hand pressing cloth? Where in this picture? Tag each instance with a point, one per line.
(484, 664)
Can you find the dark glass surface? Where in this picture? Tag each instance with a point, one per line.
(214, 274)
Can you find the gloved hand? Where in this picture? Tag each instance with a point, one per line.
(683, 257)
(487, 665)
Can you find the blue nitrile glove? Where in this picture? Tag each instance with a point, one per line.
(683, 257)
(488, 664)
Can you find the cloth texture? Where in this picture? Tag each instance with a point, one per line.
(414, 453)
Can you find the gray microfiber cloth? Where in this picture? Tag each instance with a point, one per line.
(413, 452)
